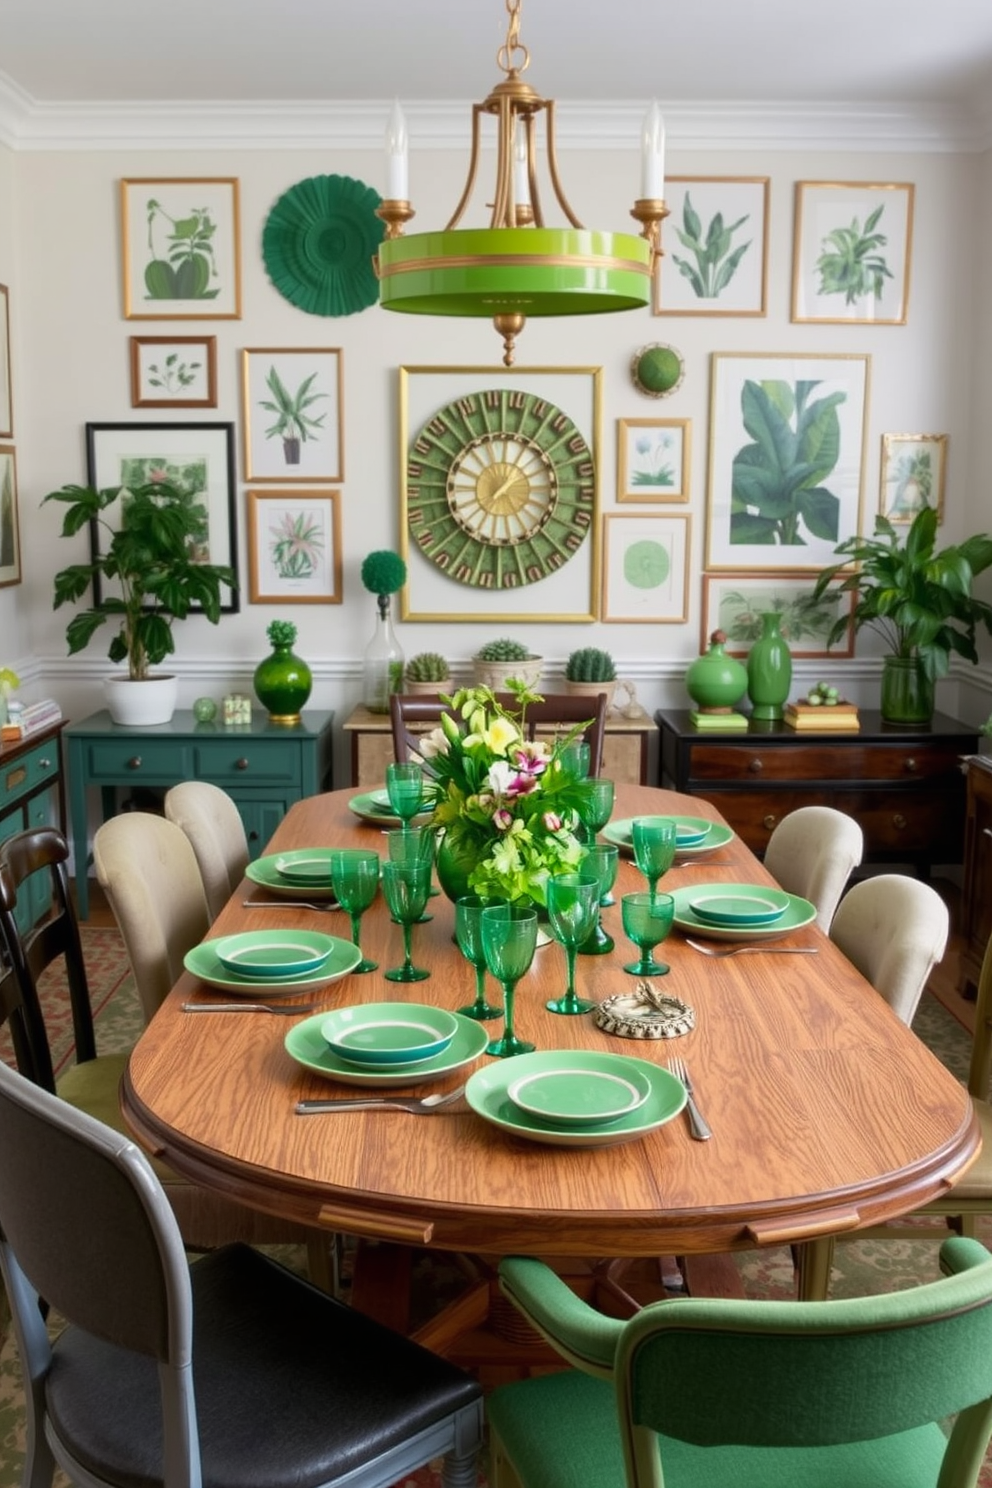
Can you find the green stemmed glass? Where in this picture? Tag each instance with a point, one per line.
(412, 845)
(509, 938)
(654, 840)
(405, 888)
(576, 758)
(405, 788)
(596, 806)
(647, 920)
(468, 933)
(355, 879)
(573, 909)
(602, 860)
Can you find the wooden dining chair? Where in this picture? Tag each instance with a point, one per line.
(704, 1391)
(812, 852)
(554, 714)
(230, 1371)
(212, 822)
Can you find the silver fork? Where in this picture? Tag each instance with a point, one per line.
(697, 1125)
(422, 1107)
(325, 906)
(767, 950)
(287, 1009)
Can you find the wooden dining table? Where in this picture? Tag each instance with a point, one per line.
(827, 1113)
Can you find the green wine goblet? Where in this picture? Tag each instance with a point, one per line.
(355, 879)
(573, 908)
(468, 933)
(575, 758)
(404, 886)
(509, 939)
(412, 845)
(596, 806)
(602, 860)
(654, 839)
(405, 788)
(647, 920)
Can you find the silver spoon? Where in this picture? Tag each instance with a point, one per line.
(421, 1107)
(769, 950)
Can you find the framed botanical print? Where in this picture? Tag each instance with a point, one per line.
(6, 394)
(645, 568)
(851, 259)
(914, 474)
(787, 455)
(653, 460)
(735, 603)
(197, 458)
(294, 547)
(173, 371)
(293, 414)
(10, 527)
(716, 247)
(181, 248)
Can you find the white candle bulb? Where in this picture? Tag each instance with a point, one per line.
(521, 182)
(653, 155)
(397, 179)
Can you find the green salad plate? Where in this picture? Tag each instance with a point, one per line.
(373, 806)
(203, 962)
(796, 915)
(729, 907)
(273, 953)
(694, 835)
(305, 1042)
(269, 872)
(386, 1035)
(581, 1088)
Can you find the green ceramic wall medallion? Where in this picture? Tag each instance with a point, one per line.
(500, 489)
(657, 370)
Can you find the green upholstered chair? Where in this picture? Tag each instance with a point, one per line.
(716, 1393)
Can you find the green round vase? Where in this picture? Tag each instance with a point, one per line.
(769, 670)
(716, 681)
(282, 684)
(453, 863)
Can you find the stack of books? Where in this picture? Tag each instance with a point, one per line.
(718, 723)
(24, 719)
(832, 718)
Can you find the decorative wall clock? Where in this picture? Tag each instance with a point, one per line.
(500, 488)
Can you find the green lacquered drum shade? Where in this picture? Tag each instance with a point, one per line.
(501, 270)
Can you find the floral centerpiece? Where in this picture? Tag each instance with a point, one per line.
(507, 807)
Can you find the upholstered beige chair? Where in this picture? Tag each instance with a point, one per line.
(894, 928)
(216, 833)
(812, 852)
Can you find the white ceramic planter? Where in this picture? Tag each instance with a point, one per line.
(495, 674)
(140, 704)
(592, 689)
(426, 689)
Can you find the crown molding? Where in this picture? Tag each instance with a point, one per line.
(27, 124)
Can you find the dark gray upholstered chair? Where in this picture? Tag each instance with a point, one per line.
(230, 1373)
(556, 708)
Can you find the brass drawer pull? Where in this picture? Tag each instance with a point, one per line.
(134, 763)
(769, 822)
(987, 831)
(755, 766)
(44, 764)
(911, 765)
(16, 777)
(899, 821)
(241, 764)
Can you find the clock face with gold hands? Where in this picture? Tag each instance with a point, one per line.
(500, 489)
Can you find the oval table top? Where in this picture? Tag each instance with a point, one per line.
(827, 1112)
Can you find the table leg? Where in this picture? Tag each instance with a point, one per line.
(814, 1259)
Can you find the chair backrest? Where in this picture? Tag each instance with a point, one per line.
(149, 873)
(894, 929)
(557, 708)
(812, 1374)
(40, 850)
(213, 824)
(812, 852)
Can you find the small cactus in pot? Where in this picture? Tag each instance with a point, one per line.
(497, 661)
(427, 672)
(590, 671)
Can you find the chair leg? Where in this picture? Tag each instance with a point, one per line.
(501, 1470)
(460, 1472)
(322, 1262)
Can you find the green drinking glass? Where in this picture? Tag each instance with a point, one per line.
(573, 909)
(509, 939)
(647, 920)
(412, 845)
(404, 886)
(602, 861)
(576, 758)
(654, 839)
(405, 788)
(355, 880)
(468, 934)
(596, 806)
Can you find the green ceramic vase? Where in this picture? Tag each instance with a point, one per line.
(283, 683)
(716, 681)
(769, 670)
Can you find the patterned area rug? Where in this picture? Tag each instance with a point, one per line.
(861, 1267)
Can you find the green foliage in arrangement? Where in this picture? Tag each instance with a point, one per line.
(427, 666)
(850, 263)
(503, 650)
(777, 486)
(589, 664)
(714, 261)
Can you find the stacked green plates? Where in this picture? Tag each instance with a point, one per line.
(694, 835)
(305, 1042)
(796, 915)
(269, 873)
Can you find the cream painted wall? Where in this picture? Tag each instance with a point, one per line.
(14, 634)
(71, 366)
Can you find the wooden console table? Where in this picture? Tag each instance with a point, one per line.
(904, 786)
(625, 748)
(265, 767)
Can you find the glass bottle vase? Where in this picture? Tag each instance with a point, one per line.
(769, 670)
(383, 662)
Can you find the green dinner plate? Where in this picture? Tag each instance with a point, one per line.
(204, 963)
(263, 871)
(306, 867)
(581, 1088)
(728, 906)
(620, 833)
(797, 915)
(306, 1044)
(487, 1092)
(272, 953)
(374, 806)
(385, 1035)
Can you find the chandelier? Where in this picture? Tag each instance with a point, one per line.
(517, 266)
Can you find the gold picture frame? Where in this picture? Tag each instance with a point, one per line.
(173, 371)
(294, 547)
(309, 380)
(852, 252)
(913, 474)
(181, 247)
(10, 525)
(653, 460)
(646, 568)
(735, 602)
(703, 270)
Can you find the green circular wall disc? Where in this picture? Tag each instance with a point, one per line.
(646, 564)
(657, 370)
(318, 244)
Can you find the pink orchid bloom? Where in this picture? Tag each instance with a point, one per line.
(530, 758)
(502, 819)
(552, 821)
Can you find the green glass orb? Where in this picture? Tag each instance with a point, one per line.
(204, 710)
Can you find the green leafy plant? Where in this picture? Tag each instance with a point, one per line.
(293, 424)
(151, 556)
(296, 544)
(189, 265)
(918, 600)
(503, 650)
(850, 263)
(777, 486)
(174, 374)
(714, 261)
(427, 666)
(590, 664)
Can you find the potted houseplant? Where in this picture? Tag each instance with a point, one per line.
(590, 671)
(293, 425)
(427, 673)
(149, 561)
(919, 600)
(497, 661)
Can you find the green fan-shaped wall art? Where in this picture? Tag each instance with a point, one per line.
(318, 244)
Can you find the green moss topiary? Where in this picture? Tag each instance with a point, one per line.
(383, 572)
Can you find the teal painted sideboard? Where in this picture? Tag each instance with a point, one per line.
(32, 795)
(264, 767)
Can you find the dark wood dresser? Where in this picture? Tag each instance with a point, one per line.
(976, 891)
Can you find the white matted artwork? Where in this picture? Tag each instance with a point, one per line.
(913, 475)
(735, 603)
(645, 568)
(173, 371)
(787, 459)
(181, 248)
(294, 547)
(10, 528)
(851, 258)
(653, 460)
(716, 247)
(292, 408)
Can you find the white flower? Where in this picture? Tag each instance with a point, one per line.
(433, 744)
